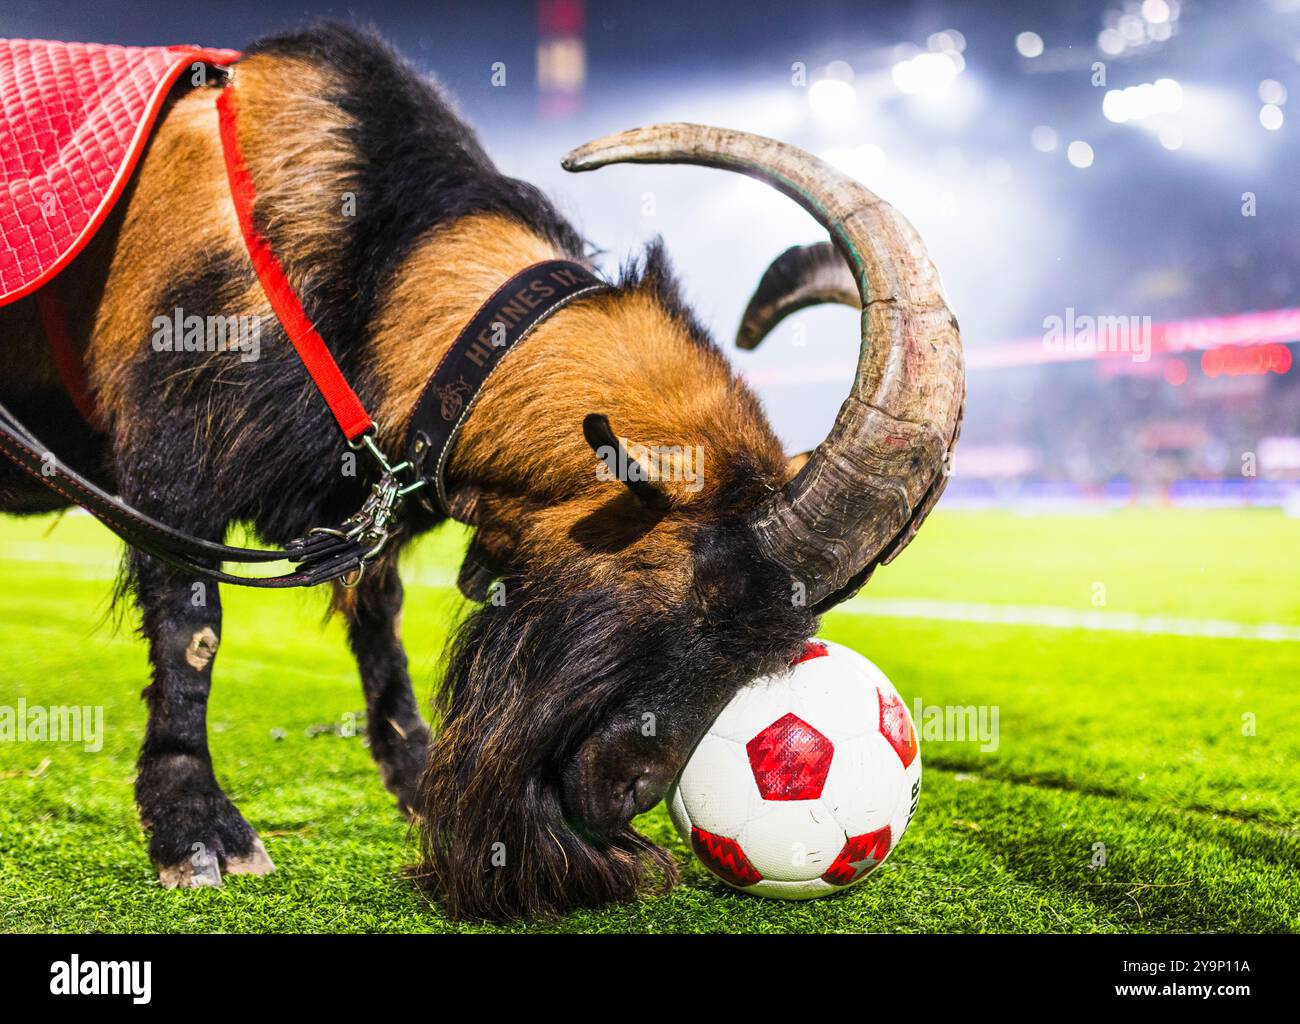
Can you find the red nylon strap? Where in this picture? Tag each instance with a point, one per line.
(351, 415)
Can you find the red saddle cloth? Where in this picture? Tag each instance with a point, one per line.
(74, 119)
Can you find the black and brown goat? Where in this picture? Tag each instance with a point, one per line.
(620, 602)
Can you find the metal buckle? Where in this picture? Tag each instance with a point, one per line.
(373, 525)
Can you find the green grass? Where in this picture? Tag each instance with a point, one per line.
(1123, 739)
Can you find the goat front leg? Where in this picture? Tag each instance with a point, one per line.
(399, 738)
(197, 834)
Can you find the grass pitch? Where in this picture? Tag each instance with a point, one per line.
(1141, 781)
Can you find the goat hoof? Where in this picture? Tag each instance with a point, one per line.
(258, 862)
(206, 867)
(190, 875)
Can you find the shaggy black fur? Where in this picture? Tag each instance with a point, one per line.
(420, 166)
(560, 661)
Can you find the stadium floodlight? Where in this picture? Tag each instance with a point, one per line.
(927, 73)
(1270, 116)
(1079, 154)
(1029, 44)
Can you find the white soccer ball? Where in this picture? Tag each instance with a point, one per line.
(806, 781)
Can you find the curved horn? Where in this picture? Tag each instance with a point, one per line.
(867, 487)
(802, 276)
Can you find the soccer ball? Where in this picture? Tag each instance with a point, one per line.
(806, 781)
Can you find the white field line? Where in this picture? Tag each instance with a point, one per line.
(1069, 618)
(90, 563)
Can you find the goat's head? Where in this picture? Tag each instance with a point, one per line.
(571, 704)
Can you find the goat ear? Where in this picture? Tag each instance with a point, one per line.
(611, 450)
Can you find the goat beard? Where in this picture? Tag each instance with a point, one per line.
(493, 859)
(526, 683)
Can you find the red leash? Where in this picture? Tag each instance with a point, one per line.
(351, 415)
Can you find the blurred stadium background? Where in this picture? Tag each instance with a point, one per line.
(1132, 159)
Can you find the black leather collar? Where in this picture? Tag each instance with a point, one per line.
(501, 323)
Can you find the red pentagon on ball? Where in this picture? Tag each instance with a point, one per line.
(860, 855)
(790, 760)
(896, 727)
(724, 858)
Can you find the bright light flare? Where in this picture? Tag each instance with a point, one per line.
(1079, 153)
(1271, 91)
(1270, 116)
(1171, 136)
(833, 99)
(927, 73)
(1044, 138)
(1155, 11)
(1138, 102)
(947, 41)
(1132, 29)
(1029, 44)
(1110, 42)
(866, 163)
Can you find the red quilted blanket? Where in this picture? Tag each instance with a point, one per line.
(74, 119)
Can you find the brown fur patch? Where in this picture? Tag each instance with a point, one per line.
(623, 356)
(179, 214)
(294, 137)
(523, 449)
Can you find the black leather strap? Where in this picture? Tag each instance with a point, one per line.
(508, 317)
(320, 557)
(501, 323)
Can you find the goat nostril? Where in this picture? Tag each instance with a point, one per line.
(644, 796)
(635, 798)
